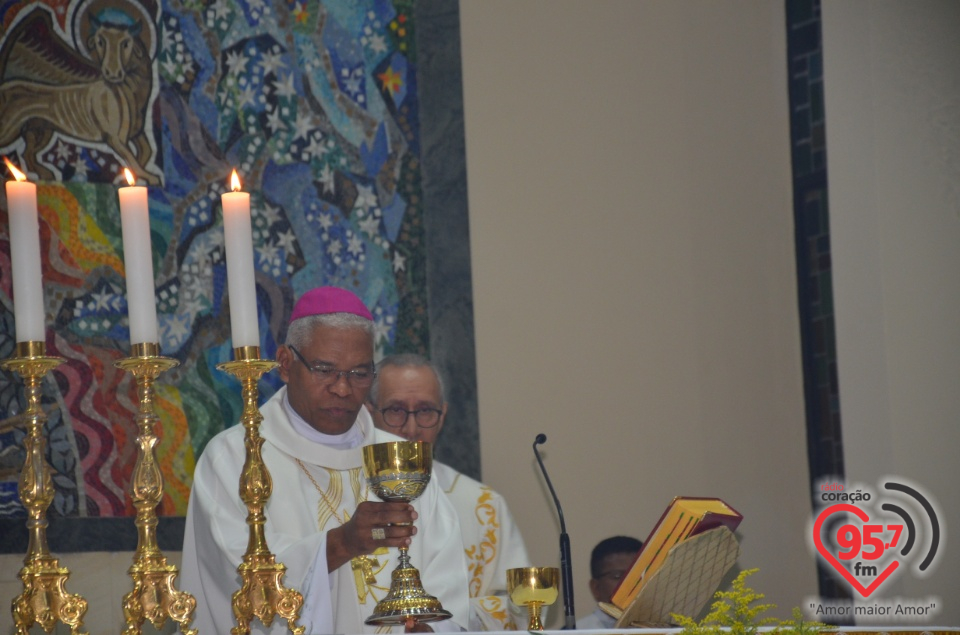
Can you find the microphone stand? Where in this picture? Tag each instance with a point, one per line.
(566, 564)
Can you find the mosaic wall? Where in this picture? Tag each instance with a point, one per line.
(314, 103)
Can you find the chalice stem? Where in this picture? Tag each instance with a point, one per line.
(535, 623)
(398, 471)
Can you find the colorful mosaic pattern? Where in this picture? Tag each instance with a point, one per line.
(315, 104)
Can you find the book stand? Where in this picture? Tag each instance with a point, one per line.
(690, 574)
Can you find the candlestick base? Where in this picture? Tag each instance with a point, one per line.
(262, 594)
(44, 600)
(154, 596)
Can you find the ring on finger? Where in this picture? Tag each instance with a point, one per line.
(378, 533)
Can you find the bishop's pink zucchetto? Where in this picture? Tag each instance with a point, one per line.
(323, 300)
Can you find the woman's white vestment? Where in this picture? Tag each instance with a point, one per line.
(216, 534)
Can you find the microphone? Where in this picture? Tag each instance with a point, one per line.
(566, 565)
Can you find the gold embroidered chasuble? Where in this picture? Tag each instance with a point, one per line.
(334, 602)
(492, 544)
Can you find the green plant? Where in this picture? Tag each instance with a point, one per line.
(797, 626)
(739, 611)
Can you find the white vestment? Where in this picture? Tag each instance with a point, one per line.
(298, 519)
(492, 543)
(596, 621)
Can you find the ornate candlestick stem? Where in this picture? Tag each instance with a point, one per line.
(262, 593)
(44, 599)
(154, 596)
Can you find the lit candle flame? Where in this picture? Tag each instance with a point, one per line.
(17, 174)
(234, 181)
(131, 179)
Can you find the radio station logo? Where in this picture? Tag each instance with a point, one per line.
(868, 538)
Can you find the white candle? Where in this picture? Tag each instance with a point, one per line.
(138, 263)
(25, 258)
(238, 237)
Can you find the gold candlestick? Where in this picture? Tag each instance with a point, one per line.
(154, 596)
(44, 599)
(262, 593)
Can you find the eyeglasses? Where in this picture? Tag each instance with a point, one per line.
(395, 416)
(613, 576)
(358, 377)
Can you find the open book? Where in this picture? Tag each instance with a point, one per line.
(684, 518)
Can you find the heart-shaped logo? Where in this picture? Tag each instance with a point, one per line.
(829, 557)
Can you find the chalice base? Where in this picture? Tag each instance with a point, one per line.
(407, 600)
(533, 609)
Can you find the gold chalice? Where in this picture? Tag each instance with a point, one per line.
(398, 471)
(533, 587)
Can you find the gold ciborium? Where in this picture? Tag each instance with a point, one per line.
(398, 472)
(533, 587)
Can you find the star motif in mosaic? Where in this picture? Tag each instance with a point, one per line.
(276, 120)
(285, 87)
(287, 241)
(355, 245)
(303, 125)
(390, 80)
(381, 330)
(327, 179)
(334, 247)
(272, 62)
(365, 197)
(290, 95)
(300, 14)
(370, 226)
(177, 327)
(316, 148)
(246, 97)
(81, 170)
(101, 300)
(236, 62)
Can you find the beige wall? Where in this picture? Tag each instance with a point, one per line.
(893, 138)
(634, 277)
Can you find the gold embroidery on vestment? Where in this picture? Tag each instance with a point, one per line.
(365, 568)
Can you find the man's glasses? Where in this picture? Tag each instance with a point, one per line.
(358, 377)
(395, 416)
(613, 576)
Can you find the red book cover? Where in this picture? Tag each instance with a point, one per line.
(685, 516)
